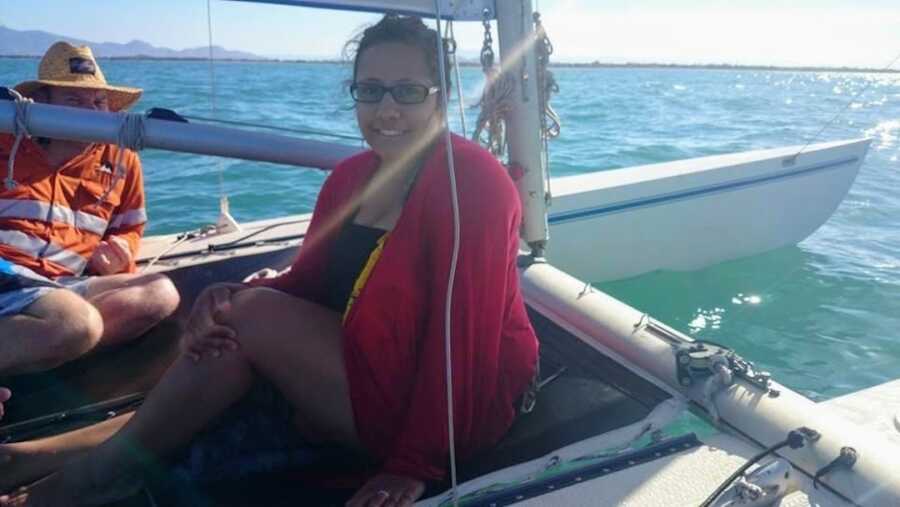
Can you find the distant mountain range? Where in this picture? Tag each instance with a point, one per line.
(35, 43)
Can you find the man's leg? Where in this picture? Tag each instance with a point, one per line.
(57, 327)
(130, 304)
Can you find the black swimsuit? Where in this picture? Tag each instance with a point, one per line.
(349, 255)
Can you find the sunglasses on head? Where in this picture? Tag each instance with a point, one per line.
(405, 93)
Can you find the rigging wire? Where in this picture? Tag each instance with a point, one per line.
(844, 109)
(459, 92)
(454, 199)
(212, 85)
(271, 127)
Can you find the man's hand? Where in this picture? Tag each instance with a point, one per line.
(205, 332)
(5, 395)
(386, 490)
(111, 256)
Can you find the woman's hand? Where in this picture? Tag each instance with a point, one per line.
(205, 333)
(386, 490)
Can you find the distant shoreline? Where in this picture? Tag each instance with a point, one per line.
(585, 65)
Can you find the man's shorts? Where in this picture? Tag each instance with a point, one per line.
(20, 286)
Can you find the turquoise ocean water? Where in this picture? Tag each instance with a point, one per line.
(823, 316)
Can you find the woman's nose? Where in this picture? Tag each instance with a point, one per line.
(387, 107)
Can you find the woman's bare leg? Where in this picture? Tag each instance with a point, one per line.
(28, 461)
(307, 366)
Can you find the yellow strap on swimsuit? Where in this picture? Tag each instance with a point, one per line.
(364, 274)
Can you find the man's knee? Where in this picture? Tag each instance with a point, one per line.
(162, 295)
(76, 329)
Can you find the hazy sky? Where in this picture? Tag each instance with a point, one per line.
(771, 32)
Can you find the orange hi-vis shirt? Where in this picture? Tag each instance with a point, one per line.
(53, 219)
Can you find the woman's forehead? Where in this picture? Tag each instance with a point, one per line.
(393, 62)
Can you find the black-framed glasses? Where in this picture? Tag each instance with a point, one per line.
(404, 93)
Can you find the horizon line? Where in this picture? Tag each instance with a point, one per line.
(474, 63)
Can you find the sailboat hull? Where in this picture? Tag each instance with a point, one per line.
(689, 214)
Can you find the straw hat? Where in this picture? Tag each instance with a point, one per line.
(75, 67)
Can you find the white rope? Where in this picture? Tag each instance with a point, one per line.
(168, 249)
(129, 137)
(459, 92)
(454, 197)
(721, 378)
(20, 130)
(131, 131)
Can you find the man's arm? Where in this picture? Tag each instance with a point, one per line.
(122, 240)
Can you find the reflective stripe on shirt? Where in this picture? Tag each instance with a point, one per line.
(129, 218)
(45, 212)
(40, 249)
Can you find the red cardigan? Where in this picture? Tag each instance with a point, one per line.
(394, 335)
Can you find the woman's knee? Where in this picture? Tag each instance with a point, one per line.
(257, 315)
(251, 303)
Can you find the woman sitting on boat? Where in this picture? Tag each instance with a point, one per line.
(353, 336)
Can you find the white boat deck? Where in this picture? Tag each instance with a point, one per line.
(876, 410)
(260, 236)
(683, 479)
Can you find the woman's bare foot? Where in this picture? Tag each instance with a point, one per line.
(20, 465)
(70, 487)
(48, 492)
(25, 462)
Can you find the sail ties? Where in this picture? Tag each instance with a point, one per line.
(20, 130)
(131, 137)
(490, 128)
(547, 85)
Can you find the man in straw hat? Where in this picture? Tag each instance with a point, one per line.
(67, 208)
